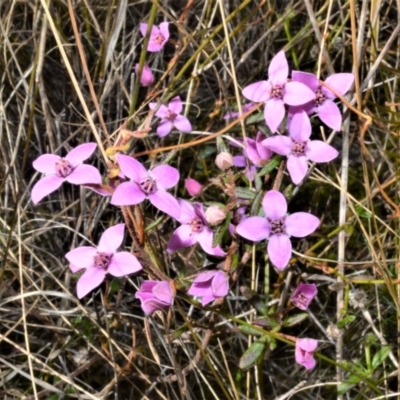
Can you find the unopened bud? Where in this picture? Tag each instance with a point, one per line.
(214, 215)
(193, 187)
(147, 77)
(224, 161)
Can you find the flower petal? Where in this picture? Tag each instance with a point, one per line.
(220, 284)
(182, 123)
(301, 224)
(329, 114)
(90, 279)
(297, 167)
(127, 194)
(341, 82)
(206, 276)
(166, 203)
(264, 153)
(279, 144)
(163, 292)
(258, 91)
(162, 111)
(274, 205)
(143, 29)
(80, 153)
(239, 161)
(111, 239)
(175, 105)
(46, 163)
(131, 168)
(319, 151)
(150, 306)
(300, 127)
(297, 93)
(274, 113)
(279, 250)
(164, 128)
(84, 174)
(254, 228)
(187, 212)
(182, 237)
(82, 257)
(45, 186)
(123, 263)
(308, 345)
(310, 80)
(205, 239)
(166, 176)
(278, 69)
(164, 30)
(147, 286)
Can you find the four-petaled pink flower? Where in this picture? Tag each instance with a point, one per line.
(158, 36)
(298, 148)
(69, 168)
(304, 352)
(276, 92)
(171, 117)
(147, 77)
(210, 285)
(323, 103)
(145, 184)
(102, 260)
(303, 295)
(277, 227)
(194, 229)
(155, 295)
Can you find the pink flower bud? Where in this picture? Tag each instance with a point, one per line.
(304, 352)
(215, 215)
(193, 187)
(303, 295)
(224, 161)
(147, 77)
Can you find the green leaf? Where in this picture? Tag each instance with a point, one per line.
(256, 205)
(252, 354)
(380, 356)
(362, 212)
(246, 194)
(255, 117)
(270, 166)
(254, 299)
(249, 330)
(345, 321)
(220, 230)
(115, 285)
(295, 319)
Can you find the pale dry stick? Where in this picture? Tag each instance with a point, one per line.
(232, 382)
(322, 44)
(317, 32)
(86, 71)
(22, 288)
(73, 80)
(292, 391)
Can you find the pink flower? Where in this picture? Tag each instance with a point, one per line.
(210, 285)
(277, 227)
(102, 260)
(158, 36)
(194, 229)
(323, 103)
(277, 91)
(303, 295)
(147, 77)
(145, 184)
(304, 352)
(69, 169)
(298, 148)
(193, 187)
(171, 117)
(155, 295)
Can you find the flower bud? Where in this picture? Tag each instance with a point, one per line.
(214, 215)
(193, 187)
(147, 77)
(224, 160)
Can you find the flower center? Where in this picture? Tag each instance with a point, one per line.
(278, 226)
(319, 97)
(102, 260)
(301, 299)
(63, 168)
(277, 92)
(197, 225)
(159, 39)
(148, 185)
(171, 116)
(298, 149)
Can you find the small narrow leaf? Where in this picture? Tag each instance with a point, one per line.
(220, 230)
(270, 166)
(256, 205)
(248, 330)
(380, 356)
(252, 354)
(294, 320)
(246, 194)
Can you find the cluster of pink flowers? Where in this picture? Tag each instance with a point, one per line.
(303, 94)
